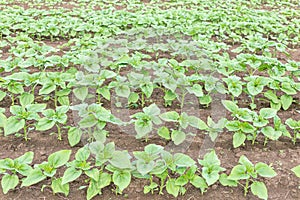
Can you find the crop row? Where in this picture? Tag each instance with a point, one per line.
(198, 22)
(70, 90)
(101, 165)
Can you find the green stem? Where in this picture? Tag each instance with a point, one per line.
(33, 88)
(12, 99)
(25, 133)
(254, 138)
(182, 100)
(246, 187)
(151, 181)
(161, 187)
(295, 137)
(58, 132)
(143, 100)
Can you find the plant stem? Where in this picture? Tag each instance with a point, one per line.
(143, 100)
(161, 187)
(295, 137)
(58, 132)
(25, 133)
(246, 187)
(182, 100)
(12, 99)
(254, 137)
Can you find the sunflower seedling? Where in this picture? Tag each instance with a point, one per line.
(245, 170)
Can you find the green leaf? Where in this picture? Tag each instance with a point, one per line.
(152, 110)
(88, 121)
(15, 88)
(286, 101)
(197, 90)
(181, 181)
(205, 100)
(269, 132)
(259, 189)
(238, 172)
(123, 91)
(178, 136)
(246, 162)
(81, 93)
(197, 123)
(153, 149)
(26, 158)
(2, 95)
(143, 167)
(92, 190)
(9, 182)
(58, 187)
(105, 180)
(296, 170)
(74, 136)
(121, 179)
(2, 120)
(164, 133)
(199, 182)
(227, 182)
(47, 88)
(275, 106)
(133, 97)
(142, 127)
(169, 96)
(210, 159)
(246, 127)
(104, 91)
(182, 160)
(96, 147)
(230, 106)
(171, 116)
(238, 139)
(147, 89)
(26, 99)
(210, 176)
(267, 113)
(36, 107)
(82, 154)
(59, 158)
(172, 188)
(121, 160)
(265, 170)
(254, 89)
(44, 124)
(13, 125)
(35, 176)
(93, 173)
(70, 175)
(288, 89)
(270, 95)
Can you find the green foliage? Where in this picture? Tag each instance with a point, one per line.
(85, 60)
(245, 170)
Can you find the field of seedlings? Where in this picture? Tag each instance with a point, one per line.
(150, 99)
